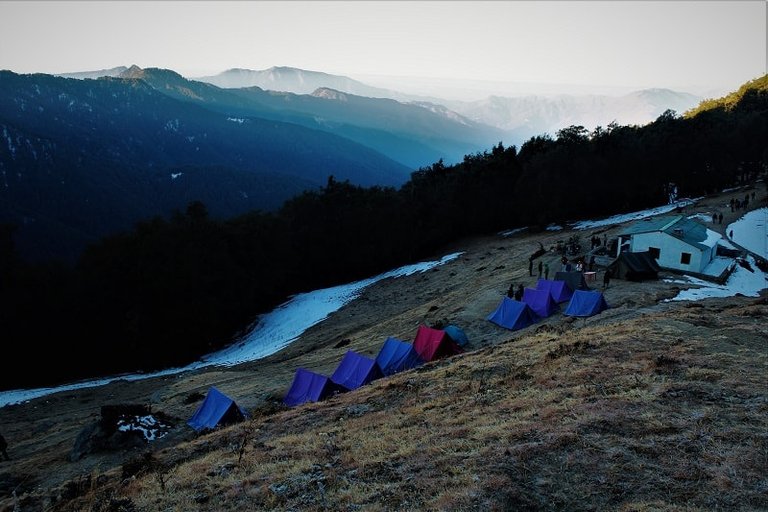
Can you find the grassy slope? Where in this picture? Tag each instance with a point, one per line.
(647, 406)
(666, 411)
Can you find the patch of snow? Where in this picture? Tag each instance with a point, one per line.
(554, 227)
(701, 217)
(712, 238)
(276, 330)
(751, 231)
(273, 332)
(511, 232)
(149, 426)
(626, 217)
(9, 140)
(239, 120)
(175, 175)
(741, 281)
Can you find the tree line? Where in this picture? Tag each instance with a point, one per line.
(173, 289)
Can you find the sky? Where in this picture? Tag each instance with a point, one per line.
(285, 324)
(688, 45)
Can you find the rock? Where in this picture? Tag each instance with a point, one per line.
(357, 410)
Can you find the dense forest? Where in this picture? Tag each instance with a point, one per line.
(175, 288)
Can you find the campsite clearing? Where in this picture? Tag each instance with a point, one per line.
(665, 378)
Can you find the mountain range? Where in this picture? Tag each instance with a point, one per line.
(519, 117)
(80, 159)
(86, 154)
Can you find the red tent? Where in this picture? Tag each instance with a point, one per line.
(433, 344)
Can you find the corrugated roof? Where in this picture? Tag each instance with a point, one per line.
(693, 233)
(651, 224)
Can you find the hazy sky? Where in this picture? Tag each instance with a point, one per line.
(703, 44)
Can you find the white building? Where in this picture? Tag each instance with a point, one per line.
(676, 242)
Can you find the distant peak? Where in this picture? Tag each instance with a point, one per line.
(132, 72)
(330, 94)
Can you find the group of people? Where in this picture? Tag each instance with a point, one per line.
(542, 267)
(738, 203)
(717, 218)
(515, 293)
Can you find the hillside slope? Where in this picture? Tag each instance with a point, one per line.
(650, 405)
(80, 159)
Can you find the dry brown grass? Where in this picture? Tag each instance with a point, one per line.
(642, 415)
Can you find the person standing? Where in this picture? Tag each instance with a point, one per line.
(546, 271)
(530, 266)
(606, 278)
(519, 293)
(4, 448)
(511, 291)
(541, 268)
(719, 218)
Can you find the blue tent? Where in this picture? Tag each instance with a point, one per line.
(355, 370)
(559, 290)
(217, 409)
(540, 301)
(397, 356)
(586, 303)
(456, 335)
(513, 315)
(309, 387)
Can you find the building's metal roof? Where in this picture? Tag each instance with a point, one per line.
(651, 224)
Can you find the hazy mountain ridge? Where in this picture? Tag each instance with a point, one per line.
(89, 155)
(512, 119)
(297, 81)
(521, 116)
(81, 75)
(408, 133)
(528, 116)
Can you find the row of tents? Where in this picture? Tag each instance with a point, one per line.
(354, 370)
(545, 300)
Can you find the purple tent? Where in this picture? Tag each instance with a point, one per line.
(355, 370)
(397, 356)
(559, 290)
(540, 301)
(309, 387)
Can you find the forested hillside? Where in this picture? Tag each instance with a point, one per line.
(171, 290)
(82, 159)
